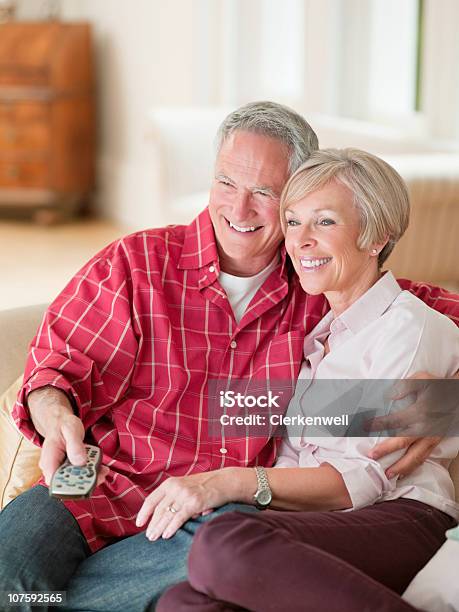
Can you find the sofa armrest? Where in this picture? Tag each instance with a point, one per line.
(17, 328)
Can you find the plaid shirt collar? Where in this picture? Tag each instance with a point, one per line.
(200, 249)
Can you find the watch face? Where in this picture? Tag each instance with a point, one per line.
(264, 497)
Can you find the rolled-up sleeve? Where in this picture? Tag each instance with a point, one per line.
(365, 479)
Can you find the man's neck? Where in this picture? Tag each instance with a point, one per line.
(244, 268)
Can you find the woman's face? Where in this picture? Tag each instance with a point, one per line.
(321, 238)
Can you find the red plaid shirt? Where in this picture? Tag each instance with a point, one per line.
(134, 339)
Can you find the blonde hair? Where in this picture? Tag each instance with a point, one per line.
(380, 194)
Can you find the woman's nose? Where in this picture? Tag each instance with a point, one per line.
(306, 239)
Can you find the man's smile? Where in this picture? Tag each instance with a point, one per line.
(246, 229)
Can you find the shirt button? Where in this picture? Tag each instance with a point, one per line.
(233, 344)
(212, 269)
(223, 451)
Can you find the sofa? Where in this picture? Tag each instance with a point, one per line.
(18, 456)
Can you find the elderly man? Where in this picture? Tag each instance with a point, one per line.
(123, 359)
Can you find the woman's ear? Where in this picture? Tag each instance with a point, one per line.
(376, 248)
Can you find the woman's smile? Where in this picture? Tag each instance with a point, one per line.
(314, 264)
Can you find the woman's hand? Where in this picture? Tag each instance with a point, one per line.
(178, 499)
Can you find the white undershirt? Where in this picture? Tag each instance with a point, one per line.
(241, 289)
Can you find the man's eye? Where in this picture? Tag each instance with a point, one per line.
(226, 183)
(326, 222)
(262, 193)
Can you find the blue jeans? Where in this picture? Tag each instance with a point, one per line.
(42, 548)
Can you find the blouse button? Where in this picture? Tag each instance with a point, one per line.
(212, 269)
(223, 451)
(233, 344)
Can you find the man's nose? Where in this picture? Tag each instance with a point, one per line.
(241, 204)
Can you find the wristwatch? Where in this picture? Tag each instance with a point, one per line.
(263, 496)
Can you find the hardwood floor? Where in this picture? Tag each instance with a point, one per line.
(36, 262)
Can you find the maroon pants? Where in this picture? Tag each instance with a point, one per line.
(300, 561)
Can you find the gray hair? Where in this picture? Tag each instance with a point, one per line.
(275, 121)
(380, 194)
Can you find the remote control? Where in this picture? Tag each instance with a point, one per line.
(77, 482)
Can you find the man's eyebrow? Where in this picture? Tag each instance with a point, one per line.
(222, 177)
(266, 189)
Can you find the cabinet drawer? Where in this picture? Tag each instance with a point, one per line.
(18, 138)
(23, 111)
(24, 174)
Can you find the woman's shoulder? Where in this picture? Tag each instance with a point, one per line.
(414, 337)
(409, 309)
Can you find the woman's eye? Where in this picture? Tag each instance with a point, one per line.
(326, 222)
(292, 223)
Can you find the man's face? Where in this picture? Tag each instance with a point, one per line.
(250, 172)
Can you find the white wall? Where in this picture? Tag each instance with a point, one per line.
(145, 58)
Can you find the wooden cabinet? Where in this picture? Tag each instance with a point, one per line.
(47, 117)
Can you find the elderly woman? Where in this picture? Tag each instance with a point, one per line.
(342, 213)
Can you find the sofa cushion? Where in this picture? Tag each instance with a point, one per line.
(18, 456)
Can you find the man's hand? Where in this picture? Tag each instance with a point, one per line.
(63, 432)
(434, 411)
(418, 449)
(178, 499)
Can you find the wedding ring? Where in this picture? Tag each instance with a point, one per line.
(172, 509)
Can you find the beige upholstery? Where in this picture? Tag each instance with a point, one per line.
(17, 328)
(19, 457)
